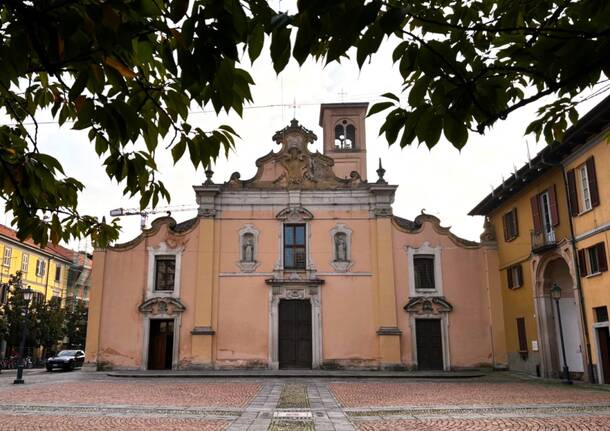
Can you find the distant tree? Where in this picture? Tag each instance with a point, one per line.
(76, 324)
(128, 72)
(13, 313)
(48, 324)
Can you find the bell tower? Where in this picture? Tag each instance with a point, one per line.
(344, 136)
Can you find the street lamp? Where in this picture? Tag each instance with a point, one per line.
(556, 295)
(27, 297)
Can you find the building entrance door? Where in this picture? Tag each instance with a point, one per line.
(603, 337)
(429, 344)
(161, 344)
(294, 334)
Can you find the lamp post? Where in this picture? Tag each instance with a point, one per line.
(27, 296)
(556, 295)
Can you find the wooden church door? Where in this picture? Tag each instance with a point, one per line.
(294, 334)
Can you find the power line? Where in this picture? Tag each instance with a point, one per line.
(210, 111)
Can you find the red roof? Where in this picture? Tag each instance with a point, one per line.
(56, 250)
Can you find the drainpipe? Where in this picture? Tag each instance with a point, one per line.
(46, 284)
(579, 285)
(577, 266)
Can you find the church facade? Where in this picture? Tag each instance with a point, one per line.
(302, 266)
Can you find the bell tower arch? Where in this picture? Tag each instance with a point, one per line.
(344, 137)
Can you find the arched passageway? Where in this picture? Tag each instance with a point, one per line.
(557, 272)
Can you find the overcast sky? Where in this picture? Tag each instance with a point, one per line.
(442, 181)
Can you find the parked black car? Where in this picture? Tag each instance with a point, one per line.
(66, 360)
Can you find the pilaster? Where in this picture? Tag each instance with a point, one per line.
(388, 332)
(203, 331)
(94, 320)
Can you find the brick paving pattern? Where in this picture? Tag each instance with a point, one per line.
(94, 402)
(587, 423)
(375, 394)
(159, 393)
(106, 423)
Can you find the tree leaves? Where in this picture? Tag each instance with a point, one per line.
(280, 48)
(129, 73)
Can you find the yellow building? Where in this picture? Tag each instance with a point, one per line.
(44, 270)
(529, 213)
(588, 182)
(554, 216)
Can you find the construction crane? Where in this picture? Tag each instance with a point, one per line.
(120, 212)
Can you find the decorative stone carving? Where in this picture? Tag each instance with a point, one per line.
(341, 247)
(248, 248)
(166, 306)
(248, 244)
(294, 214)
(341, 237)
(302, 169)
(206, 199)
(295, 293)
(489, 233)
(428, 305)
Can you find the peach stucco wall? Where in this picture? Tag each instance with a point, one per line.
(352, 304)
(465, 286)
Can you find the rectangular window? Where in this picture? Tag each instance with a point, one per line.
(522, 335)
(592, 260)
(423, 265)
(511, 225)
(165, 272)
(40, 267)
(57, 273)
(37, 298)
(545, 212)
(25, 262)
(6, 260)
(582, 187)
(585, 191)
(515, 276)
(4, 289)
(601, 314)
(295, 253)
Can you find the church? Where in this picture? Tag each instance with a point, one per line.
(304, 265)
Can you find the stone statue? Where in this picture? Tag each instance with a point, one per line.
(248, 248)
(341, 247)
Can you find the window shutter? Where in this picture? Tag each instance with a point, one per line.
(522, 335)
(535, 201)
(553, 205)
(505, 227)
(582, 262)
(573, 194)
(592, 182)
(515, 222)
(509, 274)
(519, 275)
(601, 257)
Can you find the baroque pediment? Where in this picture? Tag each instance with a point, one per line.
(428, 305)
(295, 166)
(162, 306)
(294, 214)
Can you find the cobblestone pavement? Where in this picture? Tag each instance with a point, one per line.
(366, 394)
(94, 401)
(601, 423)
(138, 393)
(105, 423)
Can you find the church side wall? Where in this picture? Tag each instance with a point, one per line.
(124, 285)
(464, 286)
